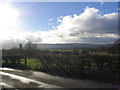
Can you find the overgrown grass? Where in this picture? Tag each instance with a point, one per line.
(33, 63)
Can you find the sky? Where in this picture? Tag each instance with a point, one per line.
(58, 22)
(36, 15)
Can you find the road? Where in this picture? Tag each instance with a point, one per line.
(12, 78)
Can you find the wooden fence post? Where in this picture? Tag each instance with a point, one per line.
(25, 61)
(19, 61)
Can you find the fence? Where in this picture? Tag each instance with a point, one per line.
(13, 60)
(85, 66)
(98, 67)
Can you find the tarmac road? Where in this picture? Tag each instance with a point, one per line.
(12, 78)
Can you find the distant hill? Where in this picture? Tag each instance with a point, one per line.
(60, 46)
(71, 45)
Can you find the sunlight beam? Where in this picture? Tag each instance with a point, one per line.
(8, 20)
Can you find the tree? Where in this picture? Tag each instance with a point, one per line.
(30, 49)
(116, 47)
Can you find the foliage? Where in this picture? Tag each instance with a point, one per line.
(33, 63)
(99, 63)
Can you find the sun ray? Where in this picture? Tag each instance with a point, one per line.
(8, 19)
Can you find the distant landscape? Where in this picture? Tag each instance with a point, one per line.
(95, 62)
(44, 44)
(62, 46)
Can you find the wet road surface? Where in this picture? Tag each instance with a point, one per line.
(12, 78)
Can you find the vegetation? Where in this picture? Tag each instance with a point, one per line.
(85, 63)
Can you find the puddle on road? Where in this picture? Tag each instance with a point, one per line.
(18, 81)
(10, 69)
(13, 83)
(24, 73)
(23, 82)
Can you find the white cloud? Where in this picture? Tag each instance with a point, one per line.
(88, 27)
(50, 20)
(50, 23)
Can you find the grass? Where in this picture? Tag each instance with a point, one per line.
(33, 63)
